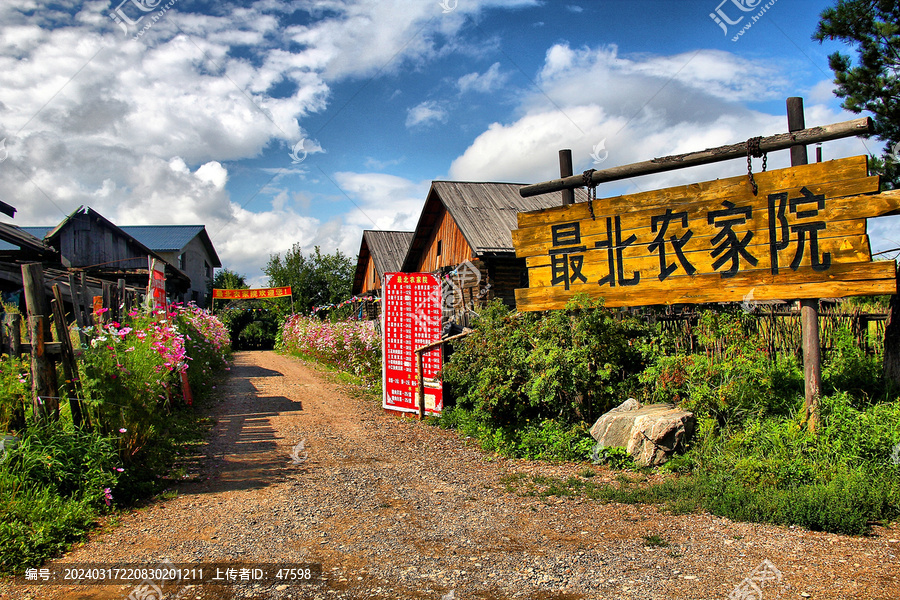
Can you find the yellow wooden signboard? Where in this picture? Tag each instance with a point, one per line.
(803, 235)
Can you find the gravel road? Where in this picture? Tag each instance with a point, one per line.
(395, 509)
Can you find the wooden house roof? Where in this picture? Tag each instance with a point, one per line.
(387, 250)
(485, 213)
(52, 238)
(14, 238)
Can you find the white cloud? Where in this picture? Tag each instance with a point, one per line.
(383, 201)
(644, 107)
(483, 82)
(143, 130)
(425, 114)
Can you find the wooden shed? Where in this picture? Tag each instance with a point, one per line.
(87, 241)
(464, 235)
(380, 252)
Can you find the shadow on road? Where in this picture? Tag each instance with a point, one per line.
(244, 450)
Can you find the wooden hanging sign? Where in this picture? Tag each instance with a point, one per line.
(803, 235)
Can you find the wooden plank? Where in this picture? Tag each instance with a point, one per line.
(843, 216)
(779, 180)
(859, 279)
(67, 356)
(539, 241)
(636, 260)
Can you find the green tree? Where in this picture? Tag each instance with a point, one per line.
(315, 280)
(226, 279)
(873, 83)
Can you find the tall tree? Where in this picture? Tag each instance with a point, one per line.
(226, 279)
(315, 280)
(873, 83)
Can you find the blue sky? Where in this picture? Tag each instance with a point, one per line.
(277, 122)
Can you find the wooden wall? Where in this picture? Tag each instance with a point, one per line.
(86, 242)
(454, 248)
(371, 281)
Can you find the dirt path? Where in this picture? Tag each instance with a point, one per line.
(394, 509)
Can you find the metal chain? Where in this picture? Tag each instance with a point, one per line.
(754, 150)
(592, 190)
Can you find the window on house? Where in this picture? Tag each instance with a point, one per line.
(438, 253)
(207, 269)
(181, 261)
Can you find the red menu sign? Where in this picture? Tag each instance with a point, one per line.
(412, 319)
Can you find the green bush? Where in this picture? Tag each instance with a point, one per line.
(52, 487)
(569, 366)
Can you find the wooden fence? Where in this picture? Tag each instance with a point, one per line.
(48, 339)
(780, 329)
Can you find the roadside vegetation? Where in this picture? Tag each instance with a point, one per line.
(531, 385)
(56, 479)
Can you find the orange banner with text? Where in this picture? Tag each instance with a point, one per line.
(276, 292)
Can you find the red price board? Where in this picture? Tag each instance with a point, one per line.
(412, 319)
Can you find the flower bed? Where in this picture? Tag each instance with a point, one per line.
(351, 346)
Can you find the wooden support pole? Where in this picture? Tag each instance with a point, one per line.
(782, 141)
(12, 325)
(420, 372)
(121, 304)
(891, 359)
(43, 373)
(565, 170)
(67, 358)
(77, 306)
(86, 301)
(421, 376)
(809, 308)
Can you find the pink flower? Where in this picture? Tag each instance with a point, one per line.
(107, 493)
(122, 430)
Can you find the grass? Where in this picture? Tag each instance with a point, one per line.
(679, 495)
(655, 541)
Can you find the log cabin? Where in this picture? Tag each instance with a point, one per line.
(463, 234)
(380, 252)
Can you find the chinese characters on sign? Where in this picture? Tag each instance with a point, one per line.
(802, 236)
(412, 319)
(276, 292)
(157, 286)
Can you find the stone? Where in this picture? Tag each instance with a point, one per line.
(650, 434)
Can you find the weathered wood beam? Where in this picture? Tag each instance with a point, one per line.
(781, 141)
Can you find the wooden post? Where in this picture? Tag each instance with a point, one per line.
(420, 371)
(77, 305)
(67, 357)
(121, 305)
(106, 317)
(43, 374)
(891, 361)
(565, 170)
(12, 325)
(809, 308)
(86, 300)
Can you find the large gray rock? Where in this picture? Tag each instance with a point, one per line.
(650, 434)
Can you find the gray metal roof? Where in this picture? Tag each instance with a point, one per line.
(171, 238)
(484, 212)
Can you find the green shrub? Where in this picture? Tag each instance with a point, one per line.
(569, 366)
(52, 487)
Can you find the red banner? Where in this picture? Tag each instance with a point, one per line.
(275, 292)
(157, 287)
(412, 319)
